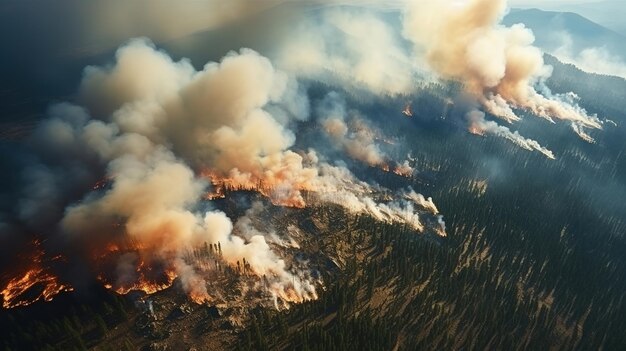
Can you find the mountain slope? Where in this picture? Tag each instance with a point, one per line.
(608, 13)
(549, 28)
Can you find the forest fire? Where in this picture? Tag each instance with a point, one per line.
(143, 282)
(15, 291)
(126, 267)
(36, 283)
(291, 296)
(476, 130)
(402, 170)
(285, 194)
(100, 184)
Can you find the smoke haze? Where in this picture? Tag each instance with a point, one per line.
(499, 65)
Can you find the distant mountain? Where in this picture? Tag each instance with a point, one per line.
(608, 13)
(550, 29)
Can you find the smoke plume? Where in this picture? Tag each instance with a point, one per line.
(124, 175)
(338, 185)
(149, 125)
(358, 144)
(480, 126)
(464, 41)
(351, 133)
(354, 50)
(597, 60)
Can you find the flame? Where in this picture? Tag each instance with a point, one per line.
(149, 278)
(287, 196)
(403, 171)
(37, 275)
(16, 287)
(152, 271)
(476, 130)
(199, 297)
(290, 295)
(143, 283)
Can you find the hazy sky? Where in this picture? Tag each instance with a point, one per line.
(550, 3)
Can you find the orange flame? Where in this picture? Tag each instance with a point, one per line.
(15, 289)
(147, 278)
(37, 276)
(199, 297)
(476, 130)
(402, 171)
(287, 196)
(143, 283)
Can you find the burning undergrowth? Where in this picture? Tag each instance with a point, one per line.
(32, 278)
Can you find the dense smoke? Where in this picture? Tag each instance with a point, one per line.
(159, 121)
(463, 40)
(134, 163)
(232, 116)
(354, 50)
(80, 27)
(125, 175)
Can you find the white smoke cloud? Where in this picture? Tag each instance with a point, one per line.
(404, 169)
(420, 200)
(339, 186)
(147, 93)
(592, 59)
(499, 65)
(355, 50)
(478, 125)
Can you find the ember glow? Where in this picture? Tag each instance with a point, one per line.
(35, 283)
(279, 192)
(143, 281)
(404, 170)
(34, 278)
(473, 129)
(399, 169)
